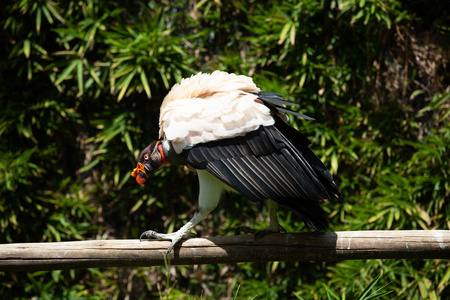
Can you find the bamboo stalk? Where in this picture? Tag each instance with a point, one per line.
(327, 246)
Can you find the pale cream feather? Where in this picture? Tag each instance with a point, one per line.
(208, 107)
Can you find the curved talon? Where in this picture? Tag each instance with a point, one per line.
(153, 234)
(143, 235)
(166, 254)
(147, 234)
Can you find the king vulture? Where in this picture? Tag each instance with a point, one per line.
(236, 137)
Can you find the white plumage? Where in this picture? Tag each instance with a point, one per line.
(208, 107)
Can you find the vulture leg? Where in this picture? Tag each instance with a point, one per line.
(274, 226)
(210, 191)
(183, 232)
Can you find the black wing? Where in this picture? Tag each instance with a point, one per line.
(272, 162)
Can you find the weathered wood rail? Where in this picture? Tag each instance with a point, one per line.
(327, 246)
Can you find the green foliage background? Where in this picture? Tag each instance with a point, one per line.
(80, 88)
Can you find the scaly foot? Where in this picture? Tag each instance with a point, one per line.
(175, 237)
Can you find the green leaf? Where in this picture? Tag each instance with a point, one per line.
(124, 86)
(94, 76)
(164, 79)
(330, 293)
(136, 206)
(66, 73)
(301, 83)
(80, 77)
(416, 93)
(235, 297)
(292, 35)
(38, 20)
(304, 58)
(284, 32)
(334, 163)
(145, 84)
(358, 16)
(89, 165)
(47, 14)
(128, 141)
(26, 48)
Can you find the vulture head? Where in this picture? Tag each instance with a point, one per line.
(150, 160)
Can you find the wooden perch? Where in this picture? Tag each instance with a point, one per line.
(328, 246)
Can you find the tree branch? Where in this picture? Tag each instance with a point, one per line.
(327, 246)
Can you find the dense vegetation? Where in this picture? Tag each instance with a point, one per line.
(80, 88)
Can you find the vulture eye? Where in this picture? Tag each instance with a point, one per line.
(146, 157)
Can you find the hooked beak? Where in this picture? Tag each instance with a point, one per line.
(140, 174)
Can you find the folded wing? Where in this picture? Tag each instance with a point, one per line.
(272, 162)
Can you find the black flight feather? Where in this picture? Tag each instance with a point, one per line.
(275, 101)
(274, 98)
